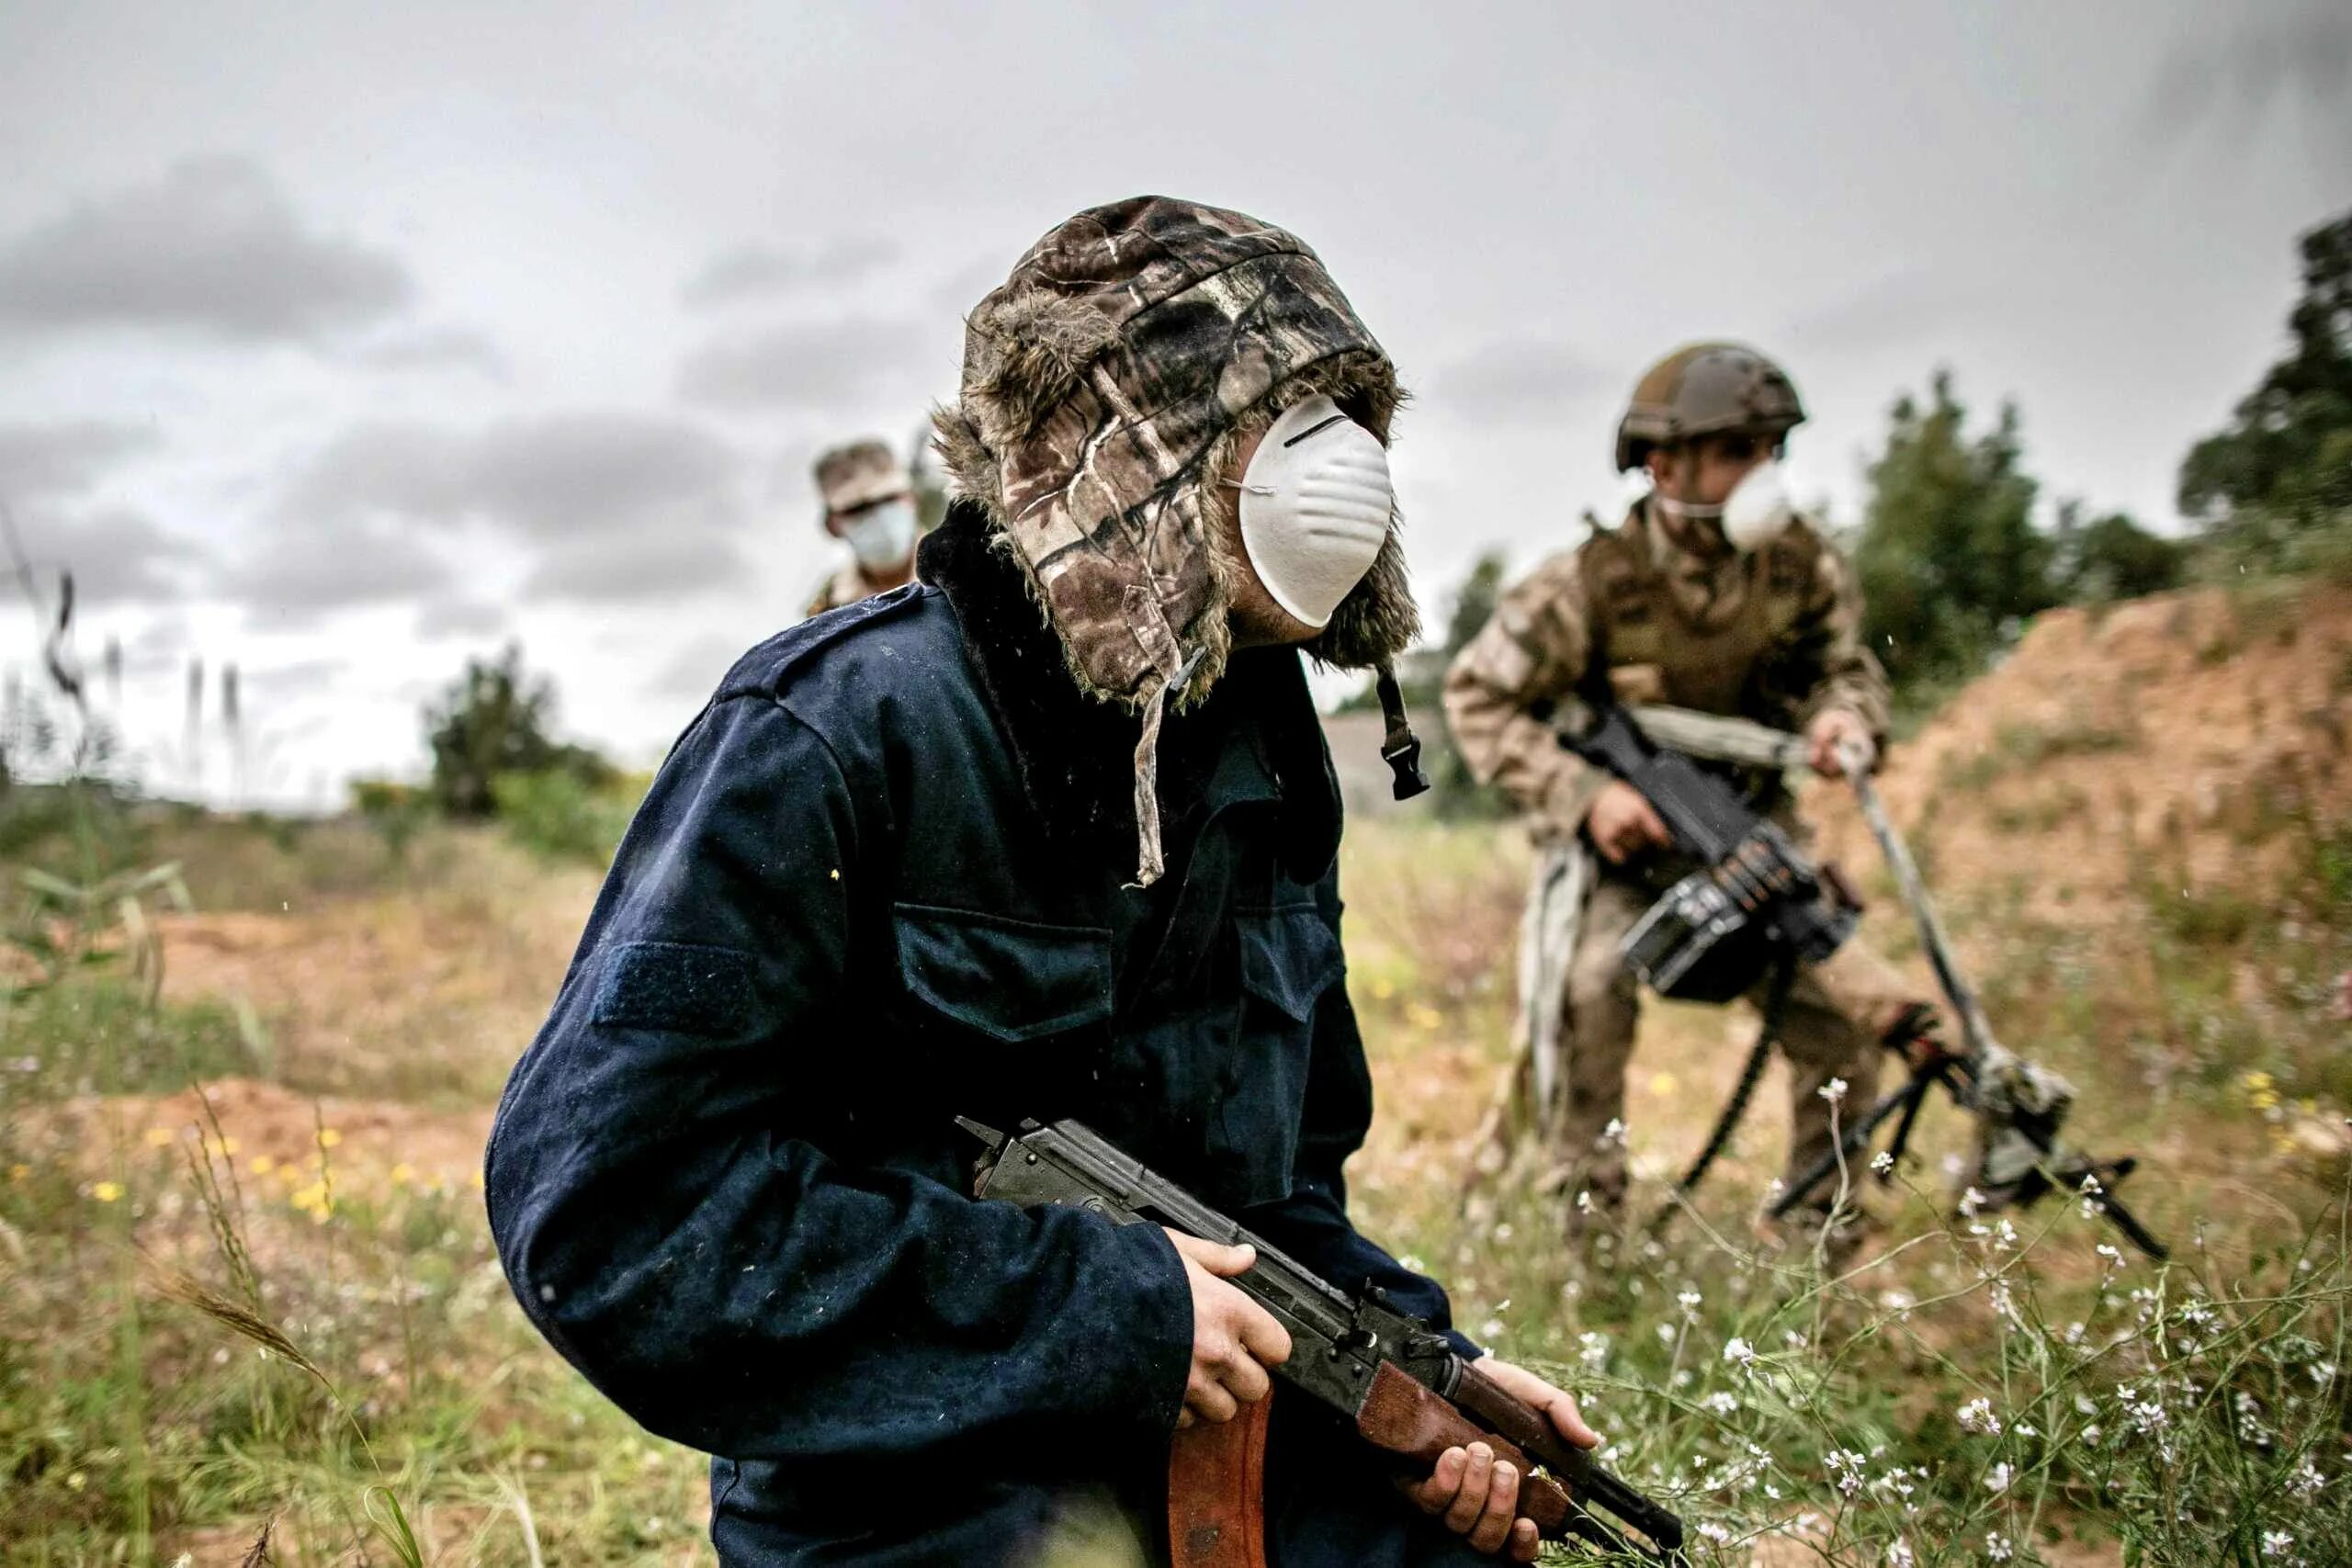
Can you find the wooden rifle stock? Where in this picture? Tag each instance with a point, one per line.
(1216, 1475)
(1217, 1491)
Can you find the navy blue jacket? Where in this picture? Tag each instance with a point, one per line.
(878, 883)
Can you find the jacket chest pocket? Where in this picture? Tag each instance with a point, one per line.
(1009, 981)
(1289, 958)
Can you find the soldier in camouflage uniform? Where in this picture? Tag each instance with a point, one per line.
(1665, 608)
(869, 502)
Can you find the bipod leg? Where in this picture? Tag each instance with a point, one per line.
(1901, 1142)
(2106, 1174)
(1727, 1122)
(1853, 1141)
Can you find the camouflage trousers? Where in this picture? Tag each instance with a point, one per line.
(1832, 1025)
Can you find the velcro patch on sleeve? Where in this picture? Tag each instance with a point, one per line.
(676, 988)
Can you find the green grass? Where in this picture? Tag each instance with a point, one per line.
(135, 1427)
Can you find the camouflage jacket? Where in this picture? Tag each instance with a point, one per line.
(846, 586)
(1771, 636)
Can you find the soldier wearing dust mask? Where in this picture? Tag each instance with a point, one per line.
(869, 502)
(1712, 594)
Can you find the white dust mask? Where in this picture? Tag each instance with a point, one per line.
(881, 535)
(1758, 509)
(1316, 504)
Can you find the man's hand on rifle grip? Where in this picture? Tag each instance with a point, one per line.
(1234, 1338)
(1840, 744)
(1476, 1495)
(1622, 824)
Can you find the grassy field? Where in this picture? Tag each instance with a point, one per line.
(286, 1130)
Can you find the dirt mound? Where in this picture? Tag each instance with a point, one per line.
(2158, 743)
(281, 1138)
(427, 995)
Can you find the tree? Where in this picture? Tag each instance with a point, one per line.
(1454, 791)
(2112, 557)
(1949, 560)
(2284, 467)
(493, 720)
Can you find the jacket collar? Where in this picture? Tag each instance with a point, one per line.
(1076, 756)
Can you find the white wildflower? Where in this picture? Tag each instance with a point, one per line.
(2113, 1258)
(1667, 1332)
(2305, 1483)
(1970, 1202)
(1881, 1163)
(1710, 1530)
(1898, 1556)
(1834, 1091)
(1612, 1133)
(1976, 1415)
(1739, 1351)
(1997, 1478)
(1722, 1403)
(2276, 1543)
(1593, 1350)
(1996, 1547)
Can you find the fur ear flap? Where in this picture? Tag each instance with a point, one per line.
(1377, 621)
(974, 473)
(1023, 356)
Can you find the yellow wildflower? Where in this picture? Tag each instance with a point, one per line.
(105, 1191)
(329, 1137)
(1664, 1084)
(19, 1171)
(160, 1137)
(1423, 1016)
(261, 1165)
(1382, 988)
(403, 1174)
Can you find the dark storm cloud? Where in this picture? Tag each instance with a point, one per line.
(646, 568)
(213, 246)
(65, 457)
(456, 616)
(2275, 54)
(694, 670)
(1516, 379)
(1895, 310)
(813, 365)
(116, 556)
(300, 676)
(446, 348)
(550, 479)
(298, 574)
(758, 271)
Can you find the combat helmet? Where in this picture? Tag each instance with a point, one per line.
(1706, 388)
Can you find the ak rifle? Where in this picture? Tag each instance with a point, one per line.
(1402, 1385)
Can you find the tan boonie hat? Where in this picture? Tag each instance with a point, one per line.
(1105, 383)
(859, 474)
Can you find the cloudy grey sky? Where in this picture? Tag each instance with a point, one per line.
(342, 341)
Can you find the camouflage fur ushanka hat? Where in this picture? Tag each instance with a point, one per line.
(1106, 384)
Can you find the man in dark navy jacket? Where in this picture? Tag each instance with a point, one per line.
(1049, 833)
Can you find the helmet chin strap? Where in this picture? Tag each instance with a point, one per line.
(1696, 525)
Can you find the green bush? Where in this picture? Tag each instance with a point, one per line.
(556, 815)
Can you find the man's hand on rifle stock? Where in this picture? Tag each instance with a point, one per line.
(1234, 1338)
(1622, 824)
(1477, 1497)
